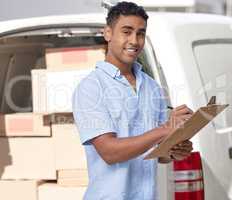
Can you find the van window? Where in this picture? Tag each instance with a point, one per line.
(214, 60)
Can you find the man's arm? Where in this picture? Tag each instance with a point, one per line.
(114, 150)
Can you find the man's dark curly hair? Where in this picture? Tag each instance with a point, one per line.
(125, 8)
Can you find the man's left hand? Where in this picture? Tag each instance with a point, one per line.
(181, 150)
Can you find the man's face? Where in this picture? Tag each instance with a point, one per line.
(126, 39)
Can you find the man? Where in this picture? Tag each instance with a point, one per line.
(121, 113)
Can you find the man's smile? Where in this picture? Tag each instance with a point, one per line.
(132, 51)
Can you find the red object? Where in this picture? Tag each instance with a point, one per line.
(188, 178)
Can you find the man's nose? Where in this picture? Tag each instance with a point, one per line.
(134, 39)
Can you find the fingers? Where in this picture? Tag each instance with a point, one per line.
(178, 122)
(181, 107)
(184, 146)
(185, 117)
(182, 150)
(180, 156)
(180, 153)
(181, 110)
(185, 143)
(179, 115)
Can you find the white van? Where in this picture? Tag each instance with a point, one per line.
(189, 54)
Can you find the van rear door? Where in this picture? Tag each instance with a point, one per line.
(195, 54)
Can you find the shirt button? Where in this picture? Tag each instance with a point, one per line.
(120, 76)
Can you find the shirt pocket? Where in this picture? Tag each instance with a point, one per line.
(115, 113)
(113, 100)
(115, 109)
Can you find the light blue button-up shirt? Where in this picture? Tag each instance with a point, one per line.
(105, 102)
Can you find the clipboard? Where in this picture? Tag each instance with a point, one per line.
(191, 127)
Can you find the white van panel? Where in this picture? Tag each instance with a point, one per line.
(174, 47)
(215, 62)
(185, 63)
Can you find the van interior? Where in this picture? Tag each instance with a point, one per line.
(23, 51)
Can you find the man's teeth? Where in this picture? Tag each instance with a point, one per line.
(132, 50)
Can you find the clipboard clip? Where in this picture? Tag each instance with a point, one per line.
(212, 101)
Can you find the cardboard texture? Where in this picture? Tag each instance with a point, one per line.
(74, 57)
(58, 118)
(52, 90)
(23, 125)
(69, 152)
(21, 190)
(27, 158)
(72, 178)
(199, 119)
(50, 191)
(71, 173)
(73, 182)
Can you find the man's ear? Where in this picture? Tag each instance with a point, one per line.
(107, 33)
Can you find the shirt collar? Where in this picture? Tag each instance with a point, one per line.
(113, 71)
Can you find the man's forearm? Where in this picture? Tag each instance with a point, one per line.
(114, 150)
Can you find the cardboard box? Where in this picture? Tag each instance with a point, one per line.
(74, 57)
(18, 190)
(73, 182)
(52, 90)
(72, 178)
(50, 191)
(69, 152)
(58, 118)
(71, 173)
(23, 124)
(27, 158)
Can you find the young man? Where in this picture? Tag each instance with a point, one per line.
(120, 114)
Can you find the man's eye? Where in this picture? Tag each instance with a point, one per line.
(141, 34)
(126, 32)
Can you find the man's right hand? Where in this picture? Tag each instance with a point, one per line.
(178, 116)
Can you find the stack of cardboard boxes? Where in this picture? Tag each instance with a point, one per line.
(41, 157)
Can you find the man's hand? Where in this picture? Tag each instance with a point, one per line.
(178, 116)
(178, 152)
(181, 150)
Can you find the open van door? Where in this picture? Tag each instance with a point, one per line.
(194, 52)
(160, 5)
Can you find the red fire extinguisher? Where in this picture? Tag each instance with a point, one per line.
(188, 178)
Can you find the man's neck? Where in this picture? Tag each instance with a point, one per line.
(124, 68)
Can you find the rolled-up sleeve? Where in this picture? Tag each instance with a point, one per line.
(90, 113)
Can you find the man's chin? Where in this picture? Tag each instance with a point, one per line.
(129, 61)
